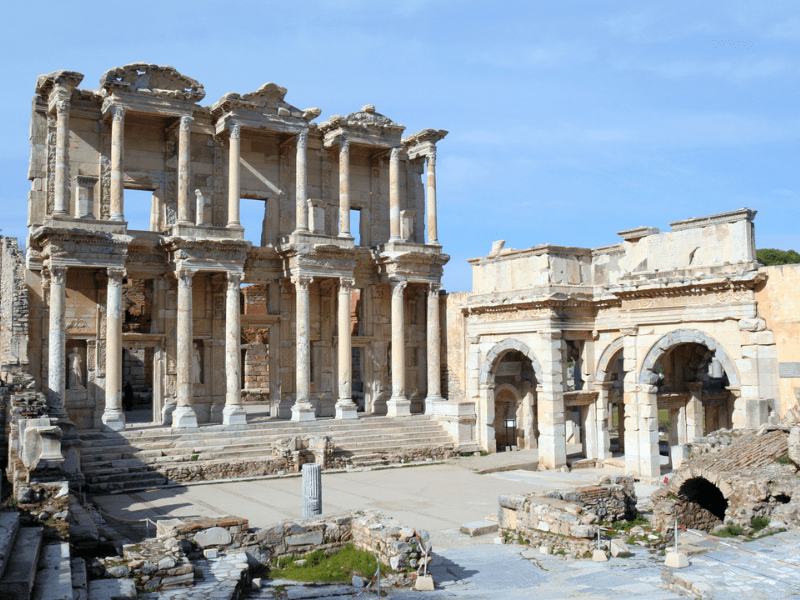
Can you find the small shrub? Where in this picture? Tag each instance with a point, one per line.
(731, 531)
(758, 523)
(783, 460)
(484, 453)
(194, 457)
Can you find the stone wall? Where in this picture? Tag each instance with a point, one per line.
(13, 305)
(567, 521)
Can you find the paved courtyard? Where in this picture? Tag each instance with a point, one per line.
(441, 497)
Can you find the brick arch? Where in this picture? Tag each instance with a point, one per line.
(604, 364)
(497, 352)
(699, 472)
(647, 374)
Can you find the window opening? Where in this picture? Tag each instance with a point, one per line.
(138, 209)
(251, 216)
(355, 225)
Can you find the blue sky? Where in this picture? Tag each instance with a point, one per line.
(568, 120)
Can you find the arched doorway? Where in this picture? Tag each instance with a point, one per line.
(610, 378)
(510, 377)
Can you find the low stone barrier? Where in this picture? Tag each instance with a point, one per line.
(566, 521)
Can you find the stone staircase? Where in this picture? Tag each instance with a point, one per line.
(138, 457)
(28, 568)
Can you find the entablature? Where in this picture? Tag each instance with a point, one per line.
(365, 127)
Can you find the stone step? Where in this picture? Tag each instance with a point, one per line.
(9, 526)
(54, 576)
(128, 482)
(17, 581)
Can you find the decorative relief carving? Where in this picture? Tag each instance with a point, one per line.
(76, 324)
(164, 81)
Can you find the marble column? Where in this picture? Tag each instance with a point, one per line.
(113, 416)
(275, 352)
(345, 407)
(433, 230)
(394, 195)
(344, 189)
(184, 160)
(398, 405)
(56, 358)
(303, 410)
(433, 351)
(184, 415)
(233, 413)
(694, 412)
(62, 191)
(117, 186)
(603, 449)
(301, 192)
(234, 188)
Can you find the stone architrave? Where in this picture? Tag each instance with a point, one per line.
(398, 405)
(303, 410)
(113, 416)
(117, 163)
(345, 407)
(233, 413)
(184, 415)
(433, 342)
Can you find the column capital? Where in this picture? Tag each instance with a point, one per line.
(235, 129)
(434, 289)
(344, 144)
(302, 282)
(184, 276)
(398, 287)
(186, 123)
(118, 114)
(430, 159)
(62, 107)
(116, 275)
(302, 138)
(58, 274)
(345, 283)
(235, 279)
(394, 154)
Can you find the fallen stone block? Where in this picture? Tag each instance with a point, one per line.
(476, 528)
(216, 536)
(599, 556)
(676, 560)
(618, 549)
(424, 583)
(112, 589)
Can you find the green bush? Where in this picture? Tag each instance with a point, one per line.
(338, 566)
(731, 531)
(771, 256)
(758, 523)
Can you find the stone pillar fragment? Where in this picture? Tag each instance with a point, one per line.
(398, 405)
(113, 415)
(303, 409)
(552, 430)
(694, 412)
(433, 351)
(394, 195)
(234, 188)
(56, 358)
(117, 190)
(61, 200)
(433, 231)
(301, 215)
(344, 189)
(184, 415)
(184, 162)
(649, 456)
(345, 407)
(233, 413)
(312, 490)
(602, 405)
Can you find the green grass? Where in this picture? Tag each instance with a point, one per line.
(339, 566)
(758, 523)
(619, 526)
(783, 460)
(730, 531)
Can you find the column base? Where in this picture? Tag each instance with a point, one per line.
(116, 216)
(113, 419)
(346, 409)
(234, 415)
(430, 402)
(184, 416)
(345, 236)
(398, 407)
(303, 412)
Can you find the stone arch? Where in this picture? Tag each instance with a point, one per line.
(604, 363)
(647, 374)
(494, 355)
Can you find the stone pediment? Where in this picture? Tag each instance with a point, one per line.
(267, 100)
(366, 118)
(161, 81)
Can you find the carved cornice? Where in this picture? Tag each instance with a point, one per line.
(154, 80)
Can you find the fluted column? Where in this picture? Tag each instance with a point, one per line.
(301, 193)
(184, 160)
(234, 188)
(434, 342)
(184, 415)
(61, 201)
(433, 230)
(345, 407)
(117, 163)
(398, 405)
(394, 195)
(303, 409)
(344, 189)
(233, 413)
(56, 358)
(113, 415)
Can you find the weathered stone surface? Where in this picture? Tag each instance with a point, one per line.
(112, 589)
(302, 539)
(476, 528)
(216, 536)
